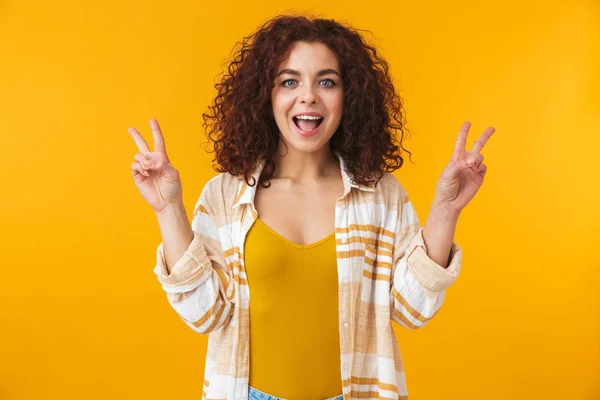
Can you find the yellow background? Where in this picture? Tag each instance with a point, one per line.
(83, 316)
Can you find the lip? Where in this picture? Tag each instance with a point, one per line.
(311, 114)
(310, 133)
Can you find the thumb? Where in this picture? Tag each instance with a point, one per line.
(454, 169)
(157, 164)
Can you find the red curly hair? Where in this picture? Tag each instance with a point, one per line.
(242, 116)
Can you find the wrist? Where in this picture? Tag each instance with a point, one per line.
(444, 211)
(171, 210)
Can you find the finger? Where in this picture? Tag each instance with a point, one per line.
(139, 140)
(461, 140)
(159, 140)
(479, 143)
(144, 160)
(134, 171)
(474, 159)
(136, 168)
(482, 170)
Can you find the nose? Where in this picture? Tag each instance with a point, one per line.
(307, 94)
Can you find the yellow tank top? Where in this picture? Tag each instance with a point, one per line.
(294, 334)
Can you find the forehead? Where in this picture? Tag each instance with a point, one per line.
(310, 56)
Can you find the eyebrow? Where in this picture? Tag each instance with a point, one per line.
(320, 73)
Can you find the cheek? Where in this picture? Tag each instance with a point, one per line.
(280, 111)
(337, 103)
(281, 105)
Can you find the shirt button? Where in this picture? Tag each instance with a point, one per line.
(344, 239)
(345, 325)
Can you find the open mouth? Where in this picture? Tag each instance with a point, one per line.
(307, 124)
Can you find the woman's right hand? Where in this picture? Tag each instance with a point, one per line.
(153, 174)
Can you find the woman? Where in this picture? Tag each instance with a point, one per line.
(306, 212)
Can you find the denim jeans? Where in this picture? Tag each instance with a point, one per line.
(255, 394)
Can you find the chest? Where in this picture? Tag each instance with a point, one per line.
(303, 215)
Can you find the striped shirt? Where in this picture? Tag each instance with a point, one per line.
(384, 275)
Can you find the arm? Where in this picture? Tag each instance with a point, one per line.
(438, 234)
(176, 233)
(198, 284)
(418, 283)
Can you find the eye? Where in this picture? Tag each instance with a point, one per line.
(330, 81)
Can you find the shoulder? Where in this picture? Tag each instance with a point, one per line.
(392, 191)
(391, 185)
(223, 182)
(220, 192)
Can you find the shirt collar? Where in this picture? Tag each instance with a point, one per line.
(245, 193)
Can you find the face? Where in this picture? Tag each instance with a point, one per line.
(308, 81)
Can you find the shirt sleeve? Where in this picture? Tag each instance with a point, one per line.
(200, 287)
(418, 284)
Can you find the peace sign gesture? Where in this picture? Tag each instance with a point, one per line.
(463, 176)
(153, 174)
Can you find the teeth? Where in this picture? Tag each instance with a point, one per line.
(307, 117)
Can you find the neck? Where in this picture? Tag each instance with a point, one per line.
(298, 167)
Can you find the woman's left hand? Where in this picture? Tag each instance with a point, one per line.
(460, 180)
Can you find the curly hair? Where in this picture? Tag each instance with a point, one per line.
(242, 118)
